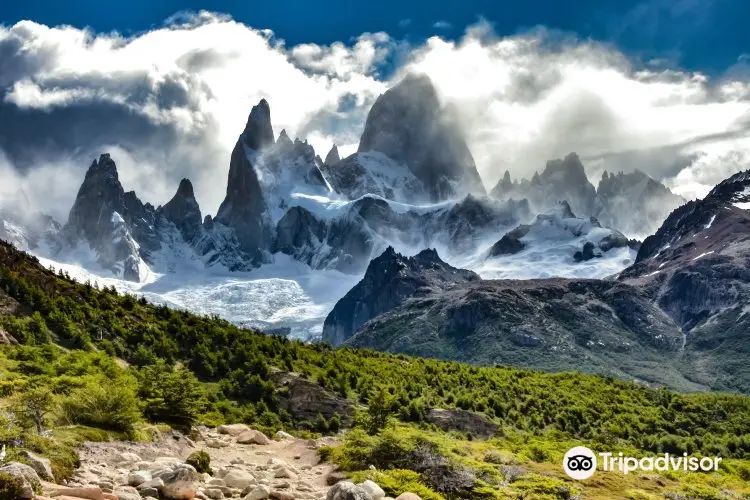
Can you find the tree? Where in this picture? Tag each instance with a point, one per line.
(379, 411)
(171, 395)
(34, 404)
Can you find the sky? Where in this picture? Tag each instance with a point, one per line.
(165, 87)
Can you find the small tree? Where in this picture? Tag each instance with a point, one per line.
(379, 411)
(34, 404)
(171, 395)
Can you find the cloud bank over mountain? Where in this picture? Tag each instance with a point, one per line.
(169, 103)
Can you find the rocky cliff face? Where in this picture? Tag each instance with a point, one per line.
(108, 219)
(553, 324)
(697, 269)
(390, 280)
(409, 125)
(244, 209)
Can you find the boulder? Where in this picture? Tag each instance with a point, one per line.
(408, 496)
(281, 436)
(334, 477)
(372, 488)
(239, 479)
(28, 476)
(253, 437)
(180, 483)
(260, 492)
(233, 429)
(137, 478)
(126, 493)
(41, 465)
(346, 490)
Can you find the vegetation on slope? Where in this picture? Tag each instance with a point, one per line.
(179, 368)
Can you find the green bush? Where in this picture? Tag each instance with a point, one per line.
(11, 487)
(171, 395)
(111, 406)
(201, 461)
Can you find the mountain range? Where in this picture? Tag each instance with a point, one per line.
(677, 316)
(543, 273)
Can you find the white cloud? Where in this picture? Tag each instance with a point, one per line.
(442, 25)
(188, 87)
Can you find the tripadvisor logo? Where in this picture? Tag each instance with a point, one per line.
(581, 463)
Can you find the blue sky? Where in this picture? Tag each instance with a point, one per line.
(702, 35)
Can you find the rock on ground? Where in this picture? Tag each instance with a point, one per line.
(28, 476)
(346, 490)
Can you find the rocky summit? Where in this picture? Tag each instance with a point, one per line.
(389, 281)
(408, 124)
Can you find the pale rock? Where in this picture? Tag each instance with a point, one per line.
(253, 437)
(41, 465)
(137, 478)
(233, 429)
(127, 457)
(214, 493)
(372, 488)
(284, 473)
(408, 496)
(281, 436)
(181, 483)
(260, 492)
(150, 492)
(346, 490)
(89, 493)
(239, 479)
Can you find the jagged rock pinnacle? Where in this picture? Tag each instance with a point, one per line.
(333, 156)
(258, 132)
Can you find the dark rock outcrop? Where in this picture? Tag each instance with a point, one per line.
(552, 324)
(305, 400)
(390, 280)
(409, 125)
(464, 421)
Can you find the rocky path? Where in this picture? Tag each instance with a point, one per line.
(244, 464)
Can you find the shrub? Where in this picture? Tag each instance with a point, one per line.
(110, 406)
(171, 395)
(201, 461)
(11, 487)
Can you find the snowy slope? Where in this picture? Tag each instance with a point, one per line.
(286, 294)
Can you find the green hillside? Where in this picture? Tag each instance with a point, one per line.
(79, 343)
